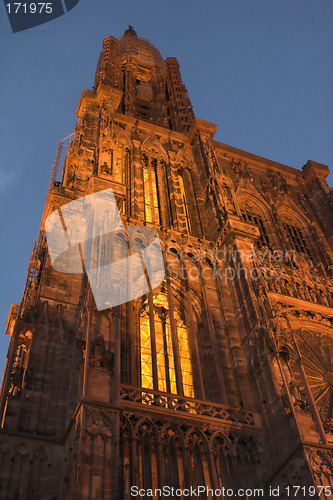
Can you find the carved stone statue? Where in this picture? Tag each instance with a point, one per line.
(106, 169)
(97, 350)
(16, 381)
(100, 357)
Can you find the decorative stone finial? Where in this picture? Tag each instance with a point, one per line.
(130, 31)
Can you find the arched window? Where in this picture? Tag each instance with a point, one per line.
(122, 173)
(297, 239)
(159, 337)
(150, 187)
(256, 219)
(185, 204)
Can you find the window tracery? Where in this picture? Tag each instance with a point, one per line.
(160, 337)
(151, 190)
(297, 239)
(122, 173)
(255, 218)
(317, 360)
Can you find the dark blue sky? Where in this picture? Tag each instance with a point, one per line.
(260, 69)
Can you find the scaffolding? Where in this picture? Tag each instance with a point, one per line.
(34, 269)
(54, 172)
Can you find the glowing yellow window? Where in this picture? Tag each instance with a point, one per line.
(165, 365)
(185, 204)
(150, 186)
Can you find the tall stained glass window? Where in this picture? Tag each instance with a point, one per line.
(159, 337)
(150, 186)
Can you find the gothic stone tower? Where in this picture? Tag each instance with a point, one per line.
(223, 374)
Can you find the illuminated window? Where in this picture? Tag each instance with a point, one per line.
(256, 219)
(150, 186)
(185, 204)
(123, 165)
(165, 349)
(127, 166)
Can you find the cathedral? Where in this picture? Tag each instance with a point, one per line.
(218, 381)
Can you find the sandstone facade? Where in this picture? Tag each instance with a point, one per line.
(223, 375)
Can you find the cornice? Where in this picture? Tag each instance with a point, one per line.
(253, 160)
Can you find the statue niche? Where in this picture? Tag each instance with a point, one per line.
(101, 357)
(106, 160)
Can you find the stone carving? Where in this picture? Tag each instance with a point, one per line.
(15, 383)
(100, 356)
(298, 396)
(322, 466)
(274, 182)
(181, 404)
(212, 161)
(240, 170)
(107, 111)
(225, 195)
(71, 176)
(99, 423)
(106, 169)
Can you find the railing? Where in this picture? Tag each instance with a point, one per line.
(194, 407)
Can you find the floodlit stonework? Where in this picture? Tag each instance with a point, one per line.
(222, 375)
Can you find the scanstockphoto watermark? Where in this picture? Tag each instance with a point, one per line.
(228, 263)
(268, 492)
(196, 492)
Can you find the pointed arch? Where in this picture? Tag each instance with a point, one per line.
(255, 210)
(124, 138)
(151, 189)
(107, 157)
(297, 231)
(151, 145)
(164, 346)
(157, 184)
(147, 454)
(123, 161)
(199, 458)
(184, 157)
(184, 202)
(222, 454)
(185, 193)
(156, 195)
